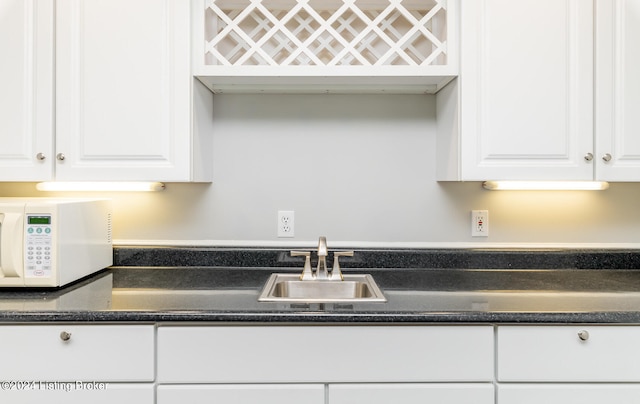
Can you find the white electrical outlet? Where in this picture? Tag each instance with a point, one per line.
(480, 223)
(285, 223)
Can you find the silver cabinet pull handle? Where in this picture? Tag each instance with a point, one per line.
(588, 157)
(583, 335)
(41, 156)
(606, 157)
(65, 336)
(60, 156)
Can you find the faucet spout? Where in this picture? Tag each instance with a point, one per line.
(321, 270)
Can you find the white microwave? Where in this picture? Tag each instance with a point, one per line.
(50, 242)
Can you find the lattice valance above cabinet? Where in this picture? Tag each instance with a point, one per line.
(326, 45)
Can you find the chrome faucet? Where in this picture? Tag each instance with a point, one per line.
(321, 271)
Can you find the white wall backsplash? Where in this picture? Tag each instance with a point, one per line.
(359, 169)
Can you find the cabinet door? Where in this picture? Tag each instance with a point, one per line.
(312, 354)
(618, 90)
(101, 353)
(453, 393)
(242, 393)
(526, 89)
(568, 354)
(26, 98)
(76, 393)
(568, 393)
(123, 90)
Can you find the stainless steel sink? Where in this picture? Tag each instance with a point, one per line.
(289, 288)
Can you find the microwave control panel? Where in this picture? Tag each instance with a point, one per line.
(38, 246)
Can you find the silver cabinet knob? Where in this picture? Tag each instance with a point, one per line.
(60, 156)
(65, 336)
(588, 157)
(583, 335)
(606, 157)
(41, 156)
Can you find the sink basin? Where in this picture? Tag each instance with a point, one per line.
(289, 288)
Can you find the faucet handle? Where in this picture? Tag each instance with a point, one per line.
(322, 247)
(306, 274)
(336, 273)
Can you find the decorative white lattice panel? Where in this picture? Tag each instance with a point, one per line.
(326, 32)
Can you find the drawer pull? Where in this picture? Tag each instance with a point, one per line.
(65, 336)
(583, 335)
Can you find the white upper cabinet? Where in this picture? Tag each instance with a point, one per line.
(533, 81)
(123, 90)
(525, 92)
(26, 80)
(401, 46)
(617, 90)
(125, 99)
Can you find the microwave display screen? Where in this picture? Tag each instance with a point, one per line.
(39, 219)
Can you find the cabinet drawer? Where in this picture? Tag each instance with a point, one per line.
(242, 393)
(458, 393)
(72, 393)
(557, 353)
(251, 354)
(91, 353)
(568, 393)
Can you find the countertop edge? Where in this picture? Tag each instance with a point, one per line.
(630, 318)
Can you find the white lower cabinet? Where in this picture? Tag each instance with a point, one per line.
(242, 393)
(568, 364)
(73, 393)
(568, 393)
(588, 353)
(68, 353)
(332, 364)
(419, 393)
(324, 354)
(77, 363)
(370, 393)
(325, 364)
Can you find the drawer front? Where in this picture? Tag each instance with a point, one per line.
(242, 393)
(323, 354)
(73, 393)
(91, 353)
(568, 393)
(558, 353)
(453, 393)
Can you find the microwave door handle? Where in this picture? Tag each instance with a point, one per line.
(11, 248)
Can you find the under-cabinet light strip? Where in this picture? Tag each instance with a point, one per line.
(545, 185)
(100, 186)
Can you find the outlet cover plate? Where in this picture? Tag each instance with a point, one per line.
(286, 223)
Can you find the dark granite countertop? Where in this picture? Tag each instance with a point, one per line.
(473, 287)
